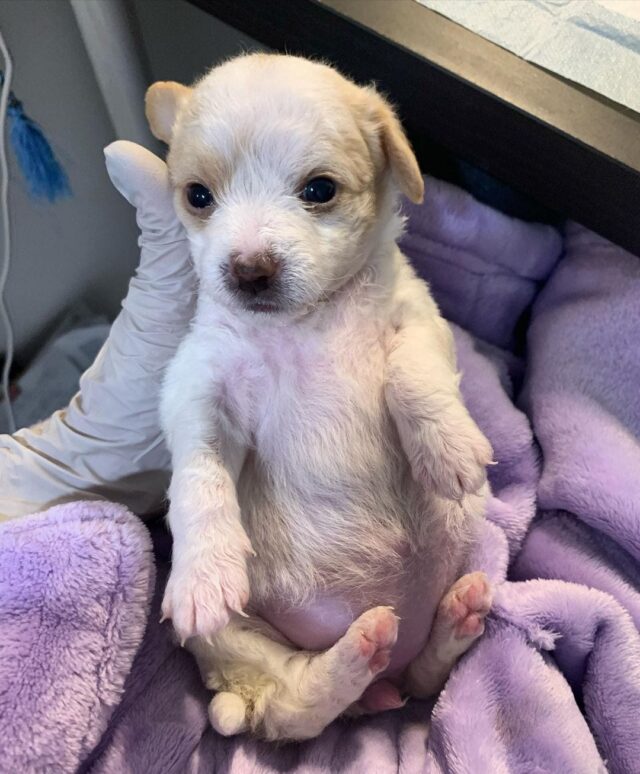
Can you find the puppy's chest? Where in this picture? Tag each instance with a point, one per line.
(308, 394)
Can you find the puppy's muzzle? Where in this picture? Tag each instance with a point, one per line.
(253, 274)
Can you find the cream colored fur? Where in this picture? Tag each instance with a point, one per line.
(318, 448)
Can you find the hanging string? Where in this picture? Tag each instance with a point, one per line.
(46, 180)
(5, 258)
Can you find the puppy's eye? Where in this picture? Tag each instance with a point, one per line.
(320, 190)
(199, 196)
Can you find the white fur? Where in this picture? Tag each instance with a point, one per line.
(287, 693)
(328, 437)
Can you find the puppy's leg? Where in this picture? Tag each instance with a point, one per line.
(208, 579)
(447, 451)
(208, 571)
(458, 623)
(283, 693)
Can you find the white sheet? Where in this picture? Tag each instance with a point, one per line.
(593, 42)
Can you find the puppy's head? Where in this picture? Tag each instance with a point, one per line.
(285, 176)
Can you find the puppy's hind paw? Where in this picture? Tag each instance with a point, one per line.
(228, 713)
(368, 642)
(465, 606)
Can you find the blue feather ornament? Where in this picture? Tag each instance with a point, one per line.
(44, 175)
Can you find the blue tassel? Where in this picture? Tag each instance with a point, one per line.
(43, 173)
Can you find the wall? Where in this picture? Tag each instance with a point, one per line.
(182, 42)
(85, 246)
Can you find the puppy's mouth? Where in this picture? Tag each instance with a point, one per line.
(260, 304)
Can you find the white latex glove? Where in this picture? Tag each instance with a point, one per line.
(107, 444)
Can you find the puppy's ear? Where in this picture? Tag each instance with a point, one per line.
(162, 102)
(397, 151)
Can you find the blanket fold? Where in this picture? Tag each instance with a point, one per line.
(581, 394)
(484, 267)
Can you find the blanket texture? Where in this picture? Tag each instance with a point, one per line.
(75, 584)
(554, 683)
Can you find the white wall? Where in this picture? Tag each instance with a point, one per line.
(84, 246)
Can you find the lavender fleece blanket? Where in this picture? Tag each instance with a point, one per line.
(554, 683)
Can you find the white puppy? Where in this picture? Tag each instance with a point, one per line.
(325, 470)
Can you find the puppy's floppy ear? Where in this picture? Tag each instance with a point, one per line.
(162, 102)
(398, 153)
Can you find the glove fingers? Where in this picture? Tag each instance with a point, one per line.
(139, 175)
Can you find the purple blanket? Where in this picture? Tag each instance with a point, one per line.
(75, 585)
(554, 683)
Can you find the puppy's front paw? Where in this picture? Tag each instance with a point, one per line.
(468, 452)
(455, 457)
(205, 587)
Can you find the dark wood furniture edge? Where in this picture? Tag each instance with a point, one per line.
(570, 150)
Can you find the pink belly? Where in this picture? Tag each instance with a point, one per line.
(322, 622)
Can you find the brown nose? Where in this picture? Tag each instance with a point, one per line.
(254, 272)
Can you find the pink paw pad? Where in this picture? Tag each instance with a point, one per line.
(466, 605)
(378, 631)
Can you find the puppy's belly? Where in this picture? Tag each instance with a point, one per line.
(407, 563)
(320, 623)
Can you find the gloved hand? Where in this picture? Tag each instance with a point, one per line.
(107, 443)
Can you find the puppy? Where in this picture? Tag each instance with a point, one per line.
(327, 478)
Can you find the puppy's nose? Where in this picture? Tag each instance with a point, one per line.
(254, 273)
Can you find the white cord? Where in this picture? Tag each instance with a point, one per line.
(6, 251)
